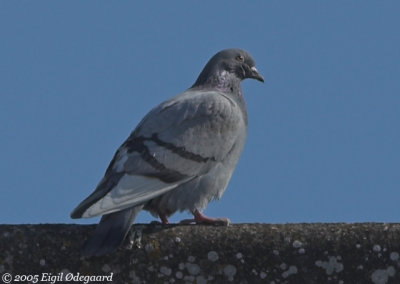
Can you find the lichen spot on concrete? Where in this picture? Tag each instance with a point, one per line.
(230, 271)
(376, 248)
(191, 258)
(292, 270)
(188, 279)
(302, 251)
(394, 256)
(239, 256)
(165, 270)
(263, 275)
(381, 276)
(212, 256)
(330, 266)
(201, 280)
(192, 268)
(297, 244)
(179, 275)
(42, 262)
(106, 268)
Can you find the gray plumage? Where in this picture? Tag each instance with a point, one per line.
(180, 156)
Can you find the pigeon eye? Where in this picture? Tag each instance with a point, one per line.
(240, 58)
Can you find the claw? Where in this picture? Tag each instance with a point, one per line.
(200, 218)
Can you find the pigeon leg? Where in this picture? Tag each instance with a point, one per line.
(200, 218)
(163, 218)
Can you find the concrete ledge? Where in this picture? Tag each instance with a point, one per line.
(240, 253)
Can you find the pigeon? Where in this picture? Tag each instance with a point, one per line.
(180, 156)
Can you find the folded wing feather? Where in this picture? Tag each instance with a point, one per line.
(184, 137)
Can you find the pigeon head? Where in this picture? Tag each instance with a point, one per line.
(229, 65)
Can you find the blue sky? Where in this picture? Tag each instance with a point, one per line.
(323, 138)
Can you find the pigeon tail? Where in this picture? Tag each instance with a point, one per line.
(110, 232)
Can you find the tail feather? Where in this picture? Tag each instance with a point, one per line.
(110, 232)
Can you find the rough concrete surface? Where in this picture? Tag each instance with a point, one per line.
(239, 253)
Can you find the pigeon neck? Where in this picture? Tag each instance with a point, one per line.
(228, 82)
(223, 81)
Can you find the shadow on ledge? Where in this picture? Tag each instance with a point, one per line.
(240, 253)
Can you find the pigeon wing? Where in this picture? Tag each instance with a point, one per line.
(179, 140)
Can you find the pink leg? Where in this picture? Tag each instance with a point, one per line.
(163, 218)
(200, 218)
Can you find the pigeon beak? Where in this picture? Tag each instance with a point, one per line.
(255, 75)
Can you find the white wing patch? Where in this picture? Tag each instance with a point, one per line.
(131, 190)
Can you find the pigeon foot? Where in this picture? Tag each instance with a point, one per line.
(163, 219)
(200, 218)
